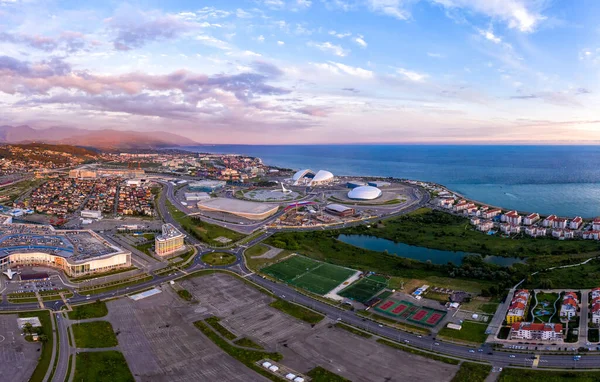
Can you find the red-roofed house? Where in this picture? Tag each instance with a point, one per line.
(531, 218)
(576, 223)
(539, 332)
(596, 224)
(548, 222)
(569, 306)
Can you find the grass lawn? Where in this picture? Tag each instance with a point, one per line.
(472, 372)
(257, 250)
(364, 289)
(320, 374)
(297, 311)
(202, 230)
(95, 334)
(489, 308)
(146, 248)
(245, 356)
(520, 375)
(247, 342)
(256, 264)
(593, 335)
(214, 322)
(185, 294)
(46, 356)
(94, 310)
(470, 332)
(305, 273)
(581, 277)
(106, 366)
(548, 299)
(219, 258)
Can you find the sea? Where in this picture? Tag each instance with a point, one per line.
(560, 180)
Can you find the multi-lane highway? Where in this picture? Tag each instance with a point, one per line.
(427, 343)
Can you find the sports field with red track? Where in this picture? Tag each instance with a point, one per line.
(404, 310)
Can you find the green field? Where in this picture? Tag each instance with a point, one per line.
(219, 258)
(94, 334)
(305, 273)
(364, 289)
(472, 372)
(470, 332)
(94, 310)
(520, 375)
(106, 366)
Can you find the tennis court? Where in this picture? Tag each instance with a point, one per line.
(364, 289)
(309, 274)
(407, 311)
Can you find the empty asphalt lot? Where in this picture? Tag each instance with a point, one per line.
(160, 342)
(17, 356)
(245, 312)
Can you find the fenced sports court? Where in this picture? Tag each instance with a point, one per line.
(410, 312)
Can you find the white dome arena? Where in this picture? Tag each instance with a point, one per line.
(302, 175)
(322, 177)
(364, 193)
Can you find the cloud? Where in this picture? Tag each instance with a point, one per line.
(435, 55)
(213, 42)
(524, 15)
(260, 38)
(360, 41)
(489, 35)
(339, 68)
(329, 48)
(393, 8)
(280, 43)
(314, 111)
(352, 90)
(340, 35)
(413, 76)
(133, 28)
(67, 41)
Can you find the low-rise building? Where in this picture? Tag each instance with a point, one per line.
(576, 222)
(562, 234)
(91, 214)
(531, 218)
(596, 311)
(596, 224)
(489, 214)
(536, 331)
(518, 307)
(485, 225)
(549, 221)
(591, 235)
(512, 217)
(509, 229)
(569, 306)
(446, 203)
(535, 231)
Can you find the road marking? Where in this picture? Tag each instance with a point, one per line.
(248, 274)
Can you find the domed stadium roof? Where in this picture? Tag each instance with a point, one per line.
(303, 173)
(364, 193)
(322, 176)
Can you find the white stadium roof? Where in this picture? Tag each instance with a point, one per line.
(302, 173)
(322, 176)
(364, 193)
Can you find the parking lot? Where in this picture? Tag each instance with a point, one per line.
(245, 312)
(160, 342)
(17, 356)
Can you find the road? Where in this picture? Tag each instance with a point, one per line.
(427, 343)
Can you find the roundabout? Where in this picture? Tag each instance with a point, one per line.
(219, 259)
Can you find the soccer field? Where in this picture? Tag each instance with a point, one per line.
(305, 273)
(364, 289)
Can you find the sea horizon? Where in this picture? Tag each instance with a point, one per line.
(548, 179)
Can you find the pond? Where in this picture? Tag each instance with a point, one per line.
(423, 254)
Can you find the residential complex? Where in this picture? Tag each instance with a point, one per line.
(536, 331)
(517, 310)
(170, 241)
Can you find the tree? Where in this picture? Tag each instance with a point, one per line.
(43, 338)
(28, 328)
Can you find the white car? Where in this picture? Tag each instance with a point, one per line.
(512, 356)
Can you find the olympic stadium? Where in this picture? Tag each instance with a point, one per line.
(308, 177)
(364, 193)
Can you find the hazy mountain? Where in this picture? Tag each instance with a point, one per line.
(104, 139)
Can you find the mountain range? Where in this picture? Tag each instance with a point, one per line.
(105, 139)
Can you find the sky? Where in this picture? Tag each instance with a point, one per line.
(307, 71)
